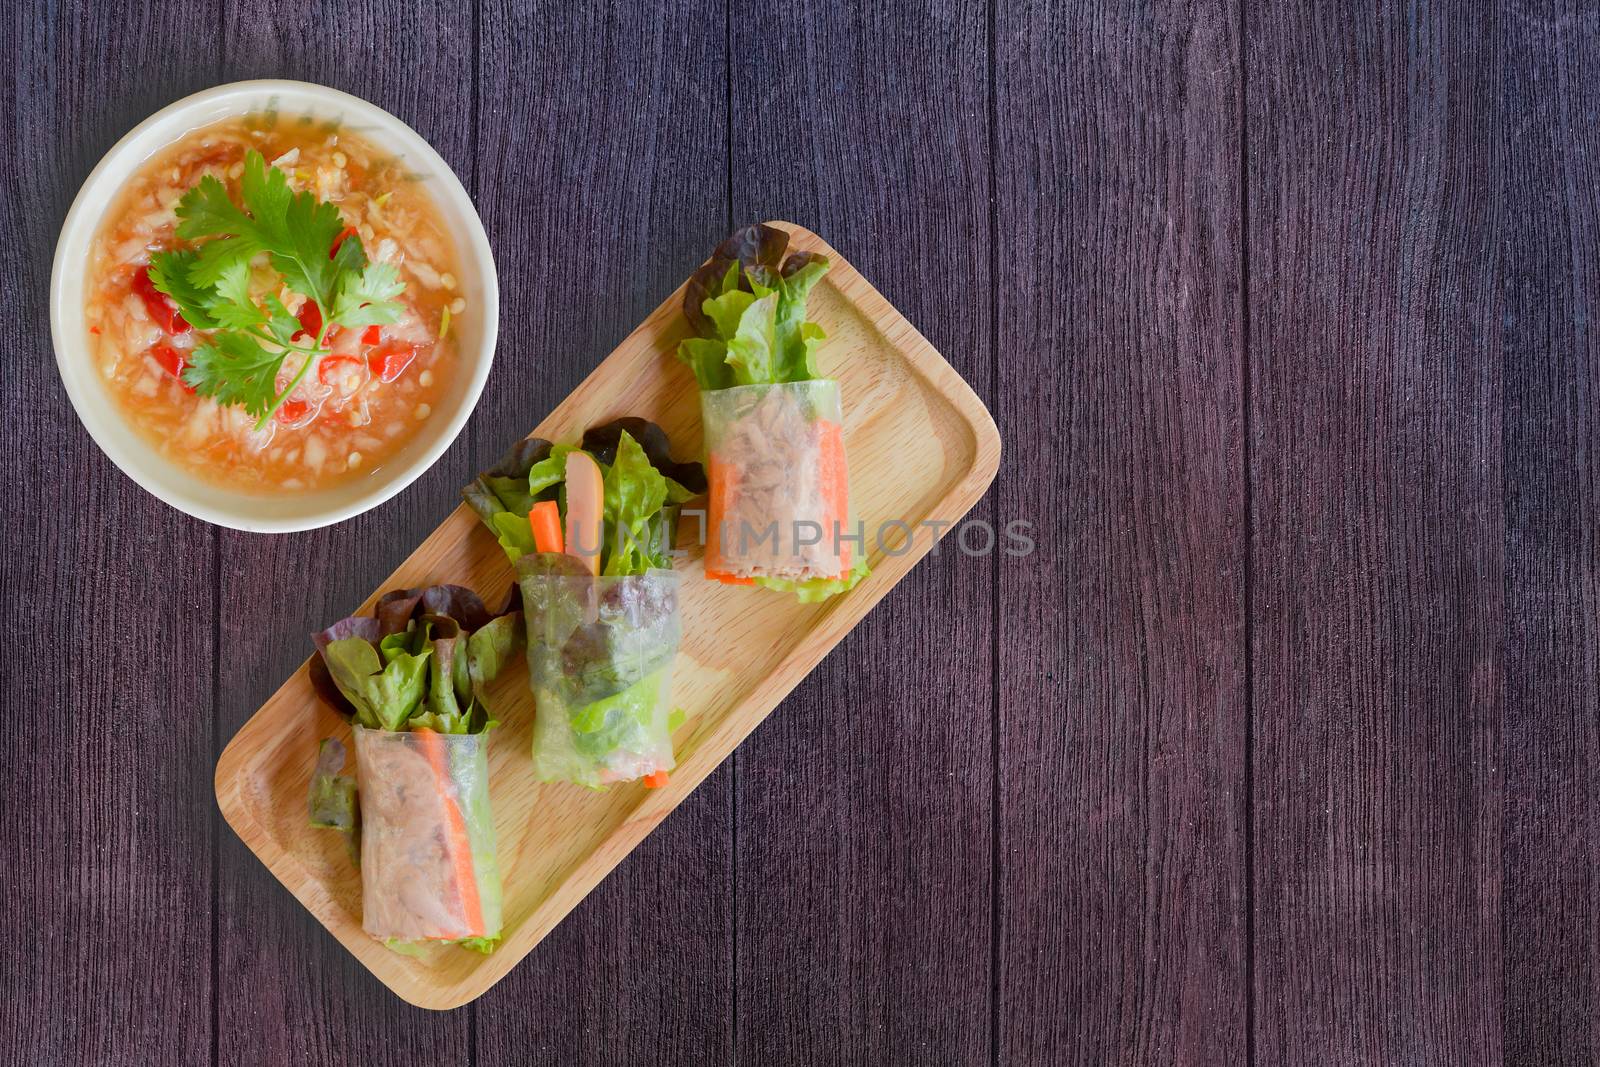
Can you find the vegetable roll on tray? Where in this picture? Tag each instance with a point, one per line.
(410, 678)
(589, 529)
(774, 428)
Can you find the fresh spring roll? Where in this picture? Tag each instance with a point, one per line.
(590, 529)
(428, 870)
(600, 655)
(779, 511)
(410, 678)
(779, 488)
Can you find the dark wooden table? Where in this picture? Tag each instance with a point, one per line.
(1283, 749)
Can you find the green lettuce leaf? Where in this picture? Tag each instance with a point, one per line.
(441, 699)
(634, 494)
(747, 306)
(415, 664)
(707, 357)
(514, 534)
(331, 801)
(813, 590)
(548, 472)
(490, 649)
(385, 692)
(619, 721)
(752, 350)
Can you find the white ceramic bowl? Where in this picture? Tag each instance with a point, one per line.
(475, 330)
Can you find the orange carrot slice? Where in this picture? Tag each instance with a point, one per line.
(545, 522)
(723, 479)
(457, 842)
(655, 779)
(835, 480)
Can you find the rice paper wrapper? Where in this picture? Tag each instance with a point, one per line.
(600, 656)
(780, 505)
(428, 865)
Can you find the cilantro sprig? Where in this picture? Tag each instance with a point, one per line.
(245, 339)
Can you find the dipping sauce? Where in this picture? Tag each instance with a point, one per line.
(376, 386)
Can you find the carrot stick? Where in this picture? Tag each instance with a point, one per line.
(545, 521)
(655, 779)
(723, 479)
(835, 477)
(459, 844)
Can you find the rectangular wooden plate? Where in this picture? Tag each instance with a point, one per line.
(921, 447)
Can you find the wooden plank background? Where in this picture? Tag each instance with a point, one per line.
(1121, 688)
(1377, 536)
(1283, 748)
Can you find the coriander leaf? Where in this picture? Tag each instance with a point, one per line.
(233, 309)
(280, 323)
(295, 229)
(206, 211)
(231, 305)
(234, 369)
(300, 237)
(367, 297)
(169, 273)
(215, 257)
(265, 190)
(351, 254)
(300, 243)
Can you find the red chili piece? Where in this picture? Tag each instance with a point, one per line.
(173, 362)
(162, 307)
(388, 361)
(310, 317)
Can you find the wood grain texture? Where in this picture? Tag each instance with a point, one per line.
(107, 850)
(1378, 559)
(1549, 261)
(288, 993)
(1122, 655)
(863, 805)
(601, 151)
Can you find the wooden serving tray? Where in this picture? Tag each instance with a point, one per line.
(921, 446)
